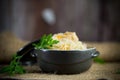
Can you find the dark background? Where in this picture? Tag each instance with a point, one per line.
(92, 20)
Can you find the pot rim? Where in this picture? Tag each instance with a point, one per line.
(88, 49)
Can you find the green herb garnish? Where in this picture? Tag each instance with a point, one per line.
(45, 42)
(99, 60)
(14, 67)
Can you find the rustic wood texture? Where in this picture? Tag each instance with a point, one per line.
(93, 20)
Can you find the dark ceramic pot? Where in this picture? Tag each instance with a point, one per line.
(65, 62)
(54, 61)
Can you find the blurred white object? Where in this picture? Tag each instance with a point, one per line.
(49, 16)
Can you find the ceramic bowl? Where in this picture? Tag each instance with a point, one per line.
(65, 62)
(58, 61)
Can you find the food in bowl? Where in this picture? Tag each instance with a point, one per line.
(68, 41)
(67, 56)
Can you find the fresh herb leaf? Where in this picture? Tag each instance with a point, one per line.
(14, 67)
(45, 42)
(99, 60)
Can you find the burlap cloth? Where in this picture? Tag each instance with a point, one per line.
(97, 71)
(109, 51)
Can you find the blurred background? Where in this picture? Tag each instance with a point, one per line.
(92, 20)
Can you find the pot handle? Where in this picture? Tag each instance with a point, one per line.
(95, 54)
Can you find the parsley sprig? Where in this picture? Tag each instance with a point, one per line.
(99, 60)
(45, 42)
(14, 67)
